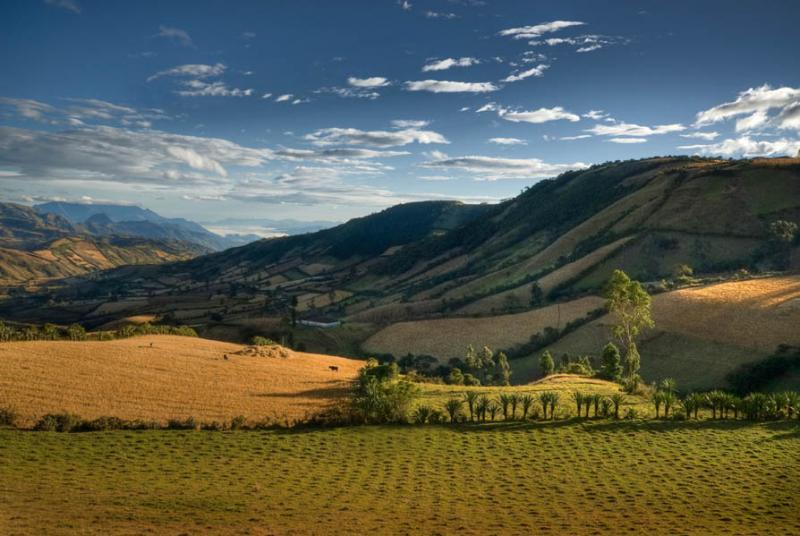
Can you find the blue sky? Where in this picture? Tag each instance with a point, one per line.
(329, 110)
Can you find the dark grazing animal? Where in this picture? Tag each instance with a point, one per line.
(334, 368)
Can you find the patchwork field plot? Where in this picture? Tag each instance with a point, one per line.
(448, 337)
(162, 377)
(547, 478)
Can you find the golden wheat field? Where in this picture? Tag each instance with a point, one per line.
(449, 337)
(758, 313)
(161, 377)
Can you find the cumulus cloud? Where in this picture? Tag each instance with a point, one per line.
(448, 63)
(377, 138)
(493, 168)
(195, 70)
(633, 130)
(410, 123)
(542, 115)
(708, 136)
(582, 43)
(199, 88)
(80, 111)
(350, 92)
(371, 82)
(532, 32)
(522, 75)
(507, 141)
(446, 86)
(68, 5)
(111, 154)
(748, 147)
(754, 102)
(176, 35)
(627, 140)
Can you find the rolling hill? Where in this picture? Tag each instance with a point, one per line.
(393, 275)
(157, 378)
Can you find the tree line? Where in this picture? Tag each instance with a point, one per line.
(76, 332)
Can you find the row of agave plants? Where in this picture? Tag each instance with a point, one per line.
(724, 405)
(473, 406)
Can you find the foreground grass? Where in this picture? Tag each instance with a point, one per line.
(537, 478)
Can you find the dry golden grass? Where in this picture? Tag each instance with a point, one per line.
(448, 337)
(758, 313)
(176, 377)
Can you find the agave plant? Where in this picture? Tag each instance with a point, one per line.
(505, 402)
(453, 408)
(515, 400)
(471, 398)
(657, 398)
(527, 402)
(579, 398)
(617, 399)
(482, 407)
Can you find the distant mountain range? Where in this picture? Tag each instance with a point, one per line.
(133, 221)
(36, 247)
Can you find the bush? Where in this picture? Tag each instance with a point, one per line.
(258, 340)
(631, 414)
(8, 417)
(58, 422)
(103, 424)
(238, 422)
(469, 379)
(185, 424)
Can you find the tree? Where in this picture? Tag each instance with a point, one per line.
(668, 385)
(783, 231)
(502, 373)
(377, 398)
(76, 332)
(453, 408)
(544, 400)
(617, 399)
(669, 399)
(492, 409)
(630, 303)
(471, 398)
(455, 377)
(487, 363)
(553, 403)
(611, 363)
(596, 398)
(537, 296)
(546, 363)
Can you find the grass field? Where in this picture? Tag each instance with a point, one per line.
(162, 377)
(448, 337)
(545, 478)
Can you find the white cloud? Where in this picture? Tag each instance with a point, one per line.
(532, 32)
(508, 141)
(789, 117)
(751, 122)
(175, 34)
(446, 86)
(633, 130)
(542, 115)
(405, 4)
(81, 111)
(439, 15)
(578, 137)
(748, 147)
(759, 99)
(582, 43)
(69, 5)
(119, 155)
(410, 123)
(378, 138)
(284, 98)
(371, 82)
(708, 136)
(300, 101)
(199, 88)
(350, 92)
(595, 115)
(535, 71)
(195, 70)
(448, 63)
(266, 95)
(493, 168)
(627, 140)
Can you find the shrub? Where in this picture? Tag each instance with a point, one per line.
(469, 379)
(58, 422)
(631, 414)
(238, 422)
(185, 424)
(422, 414)
(8, 417)
(258, 340)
